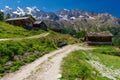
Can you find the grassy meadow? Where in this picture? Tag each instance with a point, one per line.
(10, 31)
(76, 65)
(14, 54)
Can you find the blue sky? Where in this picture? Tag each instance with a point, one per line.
(109, 6)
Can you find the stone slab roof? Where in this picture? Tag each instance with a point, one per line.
(99, 34)
(19, 18)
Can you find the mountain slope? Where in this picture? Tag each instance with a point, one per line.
(18, 51)
(100, 63)
(63, 14)
(71, 21)
(11, 31)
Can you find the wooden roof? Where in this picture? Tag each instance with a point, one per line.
(19, 18)
(99, 34)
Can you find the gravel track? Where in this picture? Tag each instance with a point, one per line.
(44, 68)
(32, 37)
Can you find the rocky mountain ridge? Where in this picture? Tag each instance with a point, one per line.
(71, 19)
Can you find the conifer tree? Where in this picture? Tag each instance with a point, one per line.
(1, 16)
(8, 16)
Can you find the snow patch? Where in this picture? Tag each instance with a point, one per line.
(35, 8)
(66, 10)
(2, 10)
(48, 16)
(72, 18)
(65, 17)
(19, 11)
(81, 16)
(8, 8)
(29, 10)
(60, 16)
(90, 17)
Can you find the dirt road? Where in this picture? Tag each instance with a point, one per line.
(44, 68)
(32, 37)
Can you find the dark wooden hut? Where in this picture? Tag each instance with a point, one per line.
(39, 25)
(20, 21)
(99, 38)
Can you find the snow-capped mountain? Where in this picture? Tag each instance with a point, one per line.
(63, 14)
(74, 14)
(62, 18)
(7, 10)
(19, 11)
(34, 11)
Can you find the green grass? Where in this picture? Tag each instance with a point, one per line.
(110, 50)
(10, 49)
(108, 55)
(10, 31)
(14, 54)
(75, 65)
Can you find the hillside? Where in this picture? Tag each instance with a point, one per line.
(73, 62)
(90, 60)
(11, 31)
(98, 63)
(71, 21)
(25, 46)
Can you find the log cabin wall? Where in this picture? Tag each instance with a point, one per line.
(99, 38)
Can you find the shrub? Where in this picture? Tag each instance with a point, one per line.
(10, 49)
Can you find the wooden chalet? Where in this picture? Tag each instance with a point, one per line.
(99, 38)
(39, 25)
(20, 21)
